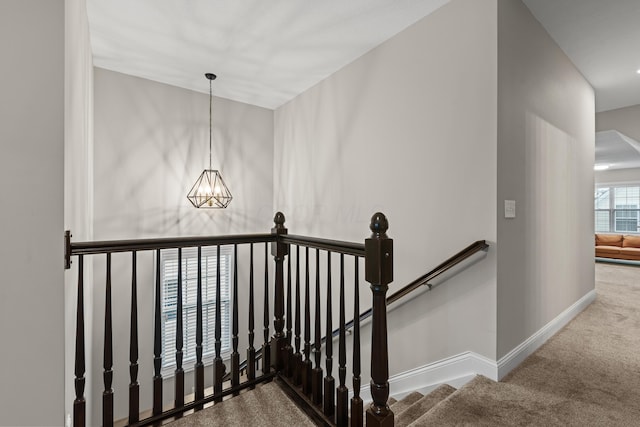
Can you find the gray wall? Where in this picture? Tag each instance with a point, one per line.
(410, 130)
(78, 178)
(625, 120)
(151, 143)
(31, 218)
(545, 163)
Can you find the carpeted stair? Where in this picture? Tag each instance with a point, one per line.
(266, 405)
(483, 402)
(588, 374)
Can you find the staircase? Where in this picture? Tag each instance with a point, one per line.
(483, 402)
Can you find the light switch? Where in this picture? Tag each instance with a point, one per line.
(509, 208)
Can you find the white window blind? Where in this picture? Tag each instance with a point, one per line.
(617, 208)
(169, 280)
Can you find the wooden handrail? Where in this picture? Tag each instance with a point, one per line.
(112, 246)
(477, 246)
(336, 246)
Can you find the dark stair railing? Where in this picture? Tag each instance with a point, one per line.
(424, 280)
(297, 365)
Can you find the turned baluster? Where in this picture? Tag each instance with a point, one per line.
(342, 394)
(316, 375)
(179, 371)
(79, 404)
(251, 351)
(218, 364)
(134, 387)
(235, 356)
(307, 365)
(297, 357)
(107, 394)
(329, 381)
(157, 344)
(199, 365)
(266, 350)
(356, 400)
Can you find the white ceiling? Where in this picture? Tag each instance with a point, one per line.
(616, 150)
(267, 52)
(264, 52)
(602, 38)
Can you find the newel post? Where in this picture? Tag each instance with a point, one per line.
(379, 273)
(279, 251)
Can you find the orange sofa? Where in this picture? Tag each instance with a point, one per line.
(618, 246)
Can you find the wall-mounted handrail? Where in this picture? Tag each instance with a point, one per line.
(477, 246)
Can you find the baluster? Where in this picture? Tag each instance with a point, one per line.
(288, 348)
(356, 400)
(199, 365)
(79, 404)
(235, 356)
(266, 351)
(134, 387)
(107, 395)
(297, 357)
(279, 251)
(218, 364)
(179, 372)
(342, 413)
(379, 273)
(251, 351)
(316, 376)
(306, 365)
(329, 381)
(157, 344)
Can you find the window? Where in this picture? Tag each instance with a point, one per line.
(617, 209)
(169, 280)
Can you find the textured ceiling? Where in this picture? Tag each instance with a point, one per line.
(264, 52)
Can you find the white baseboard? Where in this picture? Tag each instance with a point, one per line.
(516, 356)
(455, 371)
(460, 369)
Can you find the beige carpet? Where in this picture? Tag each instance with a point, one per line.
(586, 375)
(267, 405)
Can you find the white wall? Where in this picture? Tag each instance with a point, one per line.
(151, 143)
(408, 129)
(545, 163)
(618, 176)
(78, 180)
(31, 218)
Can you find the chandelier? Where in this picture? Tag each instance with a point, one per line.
(210, 191)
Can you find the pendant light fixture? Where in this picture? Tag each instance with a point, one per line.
(210, 191)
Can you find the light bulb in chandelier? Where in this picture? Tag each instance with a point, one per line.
(210, 190)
